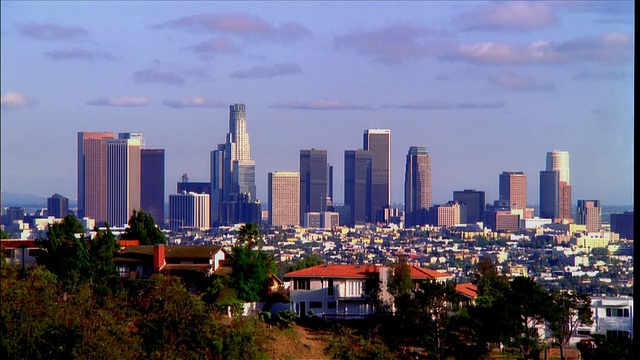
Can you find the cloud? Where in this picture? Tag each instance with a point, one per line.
(155, 76)
(608, 48)
(79, 54)
(602, 76)
(125, 101)
(14, 100)
(52, 32)
(510, 16)
(512, 81)
(238, 24)
(320, 105)
(194, 101)
(214, 47)
(434, 105)
(268, 71)
(391, 45)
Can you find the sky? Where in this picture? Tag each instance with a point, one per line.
(486, 87)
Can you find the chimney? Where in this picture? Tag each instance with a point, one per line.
(158, 257)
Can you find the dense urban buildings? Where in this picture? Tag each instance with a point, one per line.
(589, 213)
(92, 175)
(622, 223)
(378, 143)
(513, 189)
(57, 206)
(152, 183)
(555, 187)
(284, 198)
(417, 186)
(123, 177)
(475, 202)
(314, 176)
(188, 211)
(357, 186)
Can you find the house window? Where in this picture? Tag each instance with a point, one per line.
(354, 288)
(617, 335)
(617, 312)
(302, 284)
(10, 253)
(330, 288)
(34, 252)
(123, 271)
(315, 304)
(331, 305)
(584, 332)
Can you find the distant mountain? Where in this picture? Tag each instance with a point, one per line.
(16, 198)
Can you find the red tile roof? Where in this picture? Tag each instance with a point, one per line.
(469, 290)
(10, 244)
(358, 271)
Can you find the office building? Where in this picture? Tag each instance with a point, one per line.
(549, 194)
(57, 206)
(448, 215)
(92, 175)
(558, 161)
(123, 177)
(188, 211)
(284, 198)
(589, 213)
(378, 143)
(357, 186)
(313, 181)
(232, 169)
(513, 189)
(417, 186)
(622, 224)
(152, 184)
(240, 208)
(475, 201)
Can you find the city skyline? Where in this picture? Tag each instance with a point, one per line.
(486, 87)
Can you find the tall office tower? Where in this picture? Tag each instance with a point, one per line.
(622, 224)
(417, 186)
(378, 143)
(357, 186)
(123, 177)
(284, 198)
(313, 181)
(589, 213)
(513, 188)
(188, 211)
(92, 175)
(549, 194)
(330, 185)
(152, 183)
(559, 161)
(475, 201)
(13, 213)
(232, 169)
(57, 206)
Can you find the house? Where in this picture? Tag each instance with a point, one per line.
(142, 261)
(20, 252)
(468, 292)
(337, 291)
(612, 317)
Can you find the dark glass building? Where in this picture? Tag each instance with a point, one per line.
(622, 224)
(549, 194)
(357, 186)
(417, 186)
(475, 201)
(152, 183)
(58, 206)
(313, 181)
(378, 143)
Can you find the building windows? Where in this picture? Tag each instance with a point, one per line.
(10, 253)
(331, 305)
(354, 288)
(302, 284)
(315, 304)
(330, 287)
(617, 312)
(617, 335)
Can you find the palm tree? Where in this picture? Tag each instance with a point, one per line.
(249, 233)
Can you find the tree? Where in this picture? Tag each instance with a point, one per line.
(567, 310)
(248, 234)
(308, 260)
(103, 248)
(251, 269)
(3, 234)
(526, 303)
(141, 227)
(400, 285)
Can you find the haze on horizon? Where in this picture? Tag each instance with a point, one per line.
(485, 86)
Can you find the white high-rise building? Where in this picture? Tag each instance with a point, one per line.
(189, 211)
(559, 161)
(284, 198)
(123, 177)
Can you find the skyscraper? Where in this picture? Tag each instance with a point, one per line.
(92, 175)
(152, 183)
(313, 181)
(357, 185)
(188, 211)
(475, 201)
(378, 143)
(232, 169)
(58, 206)
(284, 198)
(549, 194)
(559, 161)
(417, 186)
(589, 213)
(513, 189)
(123, 177)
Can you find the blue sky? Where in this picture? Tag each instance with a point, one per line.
(485, 86)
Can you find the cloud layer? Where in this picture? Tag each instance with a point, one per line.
(121, 101)
(79, 54)
(52, 32)
(257, 72)
(320, 105)
(155, 76)
(14, 100)
(193, 102)
(510, 16)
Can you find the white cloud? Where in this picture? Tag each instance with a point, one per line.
(121, 101)
(194, 101)
(512, 15)
(14, 100)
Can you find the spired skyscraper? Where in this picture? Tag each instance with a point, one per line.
(417, 186)
(233, 172)
(313, 181)
(378, 143)
(555, 187)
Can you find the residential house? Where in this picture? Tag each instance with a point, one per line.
(20, 252)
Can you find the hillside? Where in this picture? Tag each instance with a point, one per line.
(296, 343)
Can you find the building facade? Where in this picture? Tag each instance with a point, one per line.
(378, 143)
(152, 183)
(475, 202)
(58, 206)
(188, 211)
(284, 198)
(558, 161)
(622, 224)
(357, 186)
(313, 181)
(92, 175)
(589, 213)
(417, 186)
(123, 177)
(513, 189)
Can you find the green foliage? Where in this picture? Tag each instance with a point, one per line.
(603, 348)
(251, 269)
(526, 304)
(248, 234)
(400, 285)
(285, 319)
(308, 260)
(566, 311)
(244, 338)
(345, 344)
(103, 248)
(372, 291)
(141, 227)
(3, 234)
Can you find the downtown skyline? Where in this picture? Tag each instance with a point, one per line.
(484, 94)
